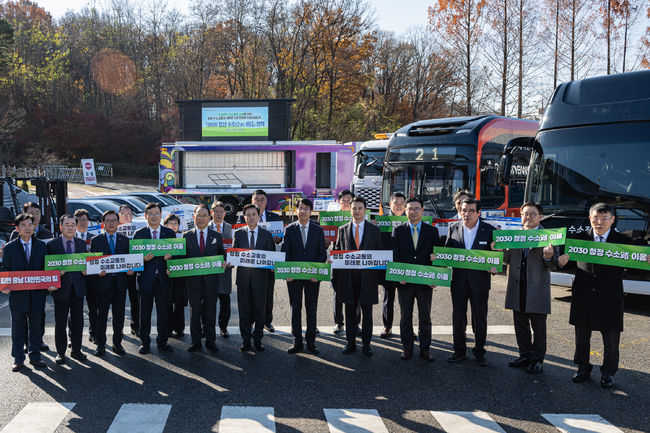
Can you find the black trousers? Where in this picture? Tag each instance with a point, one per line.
(611, 341)
(224, 310)
(338, 310)
(387, 307)
(26, 323)
(203, 307)
(134, 301)
(176, 313)
(42, 327)
(69, 308)
(91, 300)
(147, 298)
(532, 346)
(351, 325)
(115, 299)
(479, 303)
(269, 300)
(406, 296)
(251, 303)
(310, 289)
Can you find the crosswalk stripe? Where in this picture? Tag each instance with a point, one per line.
(39, 418)
(576, 423)
(467, 422)
(140, 418)
(354, 421)
(247, 419)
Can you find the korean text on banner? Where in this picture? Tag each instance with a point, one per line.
(303, 271)
(195, 266)
(29, 280)
(468, 259)
(604, 253)
(114, 264)
(528, 238)
(253, 258)
(159, 247)
(68, 262)
(387, 223)
(418, 274)
(360, 259)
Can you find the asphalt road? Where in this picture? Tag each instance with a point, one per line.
(274, 391)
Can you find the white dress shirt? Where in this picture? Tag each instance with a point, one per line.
(205, 236)
(82, 235)
(604, 237)
(255, 231)
(354, 229)
(157, 232)
(469, 235)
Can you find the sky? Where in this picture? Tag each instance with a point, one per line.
(391, 15)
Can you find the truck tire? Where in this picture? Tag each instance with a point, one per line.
(231, 204)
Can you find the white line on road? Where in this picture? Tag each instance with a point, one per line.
(354, 421)
(39, 418)
(467, 422)
(572, 423)
(140, 418)
(247, 419)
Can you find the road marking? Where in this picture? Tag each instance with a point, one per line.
(39, 418)
(572, 423)
(140, 418)
(354, 421)
(247, 419)
(467, 422)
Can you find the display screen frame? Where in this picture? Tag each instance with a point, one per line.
(250, 123)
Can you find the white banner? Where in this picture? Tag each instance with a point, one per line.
(114, 264)
(360, 259)
(127, 229)
(254, 258)
(275, 227)
(88, 167)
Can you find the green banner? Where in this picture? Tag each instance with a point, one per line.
(528, 238)
(336, 218)
(159, 247)
(68, 262)
(387, 223)
(303, 270)
(418, 274)
(603, 253)
(468, 259)
(195, 266)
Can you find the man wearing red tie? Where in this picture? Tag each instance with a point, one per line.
(219, 225)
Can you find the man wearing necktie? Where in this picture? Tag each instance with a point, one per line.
(69, 299)
(304, 241)
(126, 217)
(83, 219)
(225, 280)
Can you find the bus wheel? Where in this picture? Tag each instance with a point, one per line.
(231, 204)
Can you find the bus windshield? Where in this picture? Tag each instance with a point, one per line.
(373, 161)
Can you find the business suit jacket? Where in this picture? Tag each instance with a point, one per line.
(268, 215)
(597, 291)
(157, 264)
(14, 259)
(99, 244)
(253, 277)
(41, 234)
(213, 247)
(314, 251)
(88, 240)
(478, 281)
(70, 280)
(538, 279)
(402, 243)
(225, 279)
(370, 278)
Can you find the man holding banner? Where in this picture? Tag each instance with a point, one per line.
(357, 288)
(413, 242)
(69, 299)
(222, 227)
(126, 217)
(304, 241)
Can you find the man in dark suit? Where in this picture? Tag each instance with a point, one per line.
(25, 253)
(69, 298)
(345, 204)
(202, 290)
(110, 289)
(252, 283)
(126, 217)
(469, 284)
(153, 282)
(83, 219)
(413, 242)
(358, 287)
(259, 199)
(219, 225)
(597, 299)
(304, 242)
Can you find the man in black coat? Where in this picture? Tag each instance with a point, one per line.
(469, 284)
(153, 282)
(304, 241)
(126, 217)
(203, 290)
(252, 283)
(413, 242)
(25, 253)
(69, 298)
(597, 299)
(110, 289)
(358, 287)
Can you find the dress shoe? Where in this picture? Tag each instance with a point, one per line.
(349, 348)
(388, 332)
(245, 346)
(37, 363)
(366, 350)
(194, 347)
(101, 350)
(581, 376)
(406, 355)
(295, 348)
(338, 328)
(607, 381)
(259, 346)
(480, 360)
(535, 367)
(224, 333)
(144, 349)
(457, 357)
(17, 366)
(60, 359)
(44, 347)
(313, 349)
(269, 328)
(180, 334)
(211, 346)
(165, 347)
(520, 362)
(78, 356)
(118, 349)
(424, 354)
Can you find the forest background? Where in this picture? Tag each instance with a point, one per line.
(101, 82)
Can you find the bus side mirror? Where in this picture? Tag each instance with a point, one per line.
(504, 169)
(362, 171)
(490, 175)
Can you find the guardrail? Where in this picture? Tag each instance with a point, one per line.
(55, 172)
